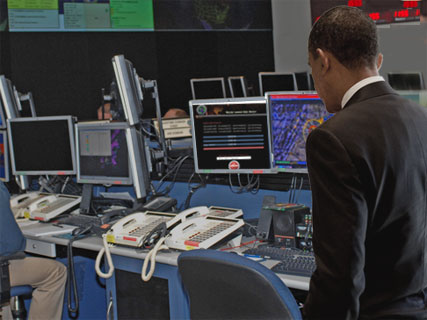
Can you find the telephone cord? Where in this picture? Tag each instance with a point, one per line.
(105, 249)
(151, 259)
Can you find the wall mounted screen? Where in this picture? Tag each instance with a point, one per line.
(293, 117)
(43, 145)
(136, 15)
(231, 135)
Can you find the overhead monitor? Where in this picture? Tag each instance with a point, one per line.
(129, 88)
(43, 145)
(3, 123)
(276, 81)
(8, 98)
(238, 87)
(293, 117)
(25, 103)
(406, 81)
(231, 135)
(102, 153)
(4, 157)
(207, 88)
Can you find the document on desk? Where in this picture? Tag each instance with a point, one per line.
(47, 229)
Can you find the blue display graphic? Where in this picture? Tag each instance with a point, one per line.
(293, 117)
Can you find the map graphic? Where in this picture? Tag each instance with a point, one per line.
(292, 121)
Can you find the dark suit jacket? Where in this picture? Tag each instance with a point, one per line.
(368, 173)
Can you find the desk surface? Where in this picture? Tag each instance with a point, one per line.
(168, 257)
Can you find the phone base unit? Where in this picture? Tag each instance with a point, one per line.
(202, 232)
(51, 206)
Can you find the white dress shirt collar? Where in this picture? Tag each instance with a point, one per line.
(359, 85)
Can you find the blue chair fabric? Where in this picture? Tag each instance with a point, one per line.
(223, 285)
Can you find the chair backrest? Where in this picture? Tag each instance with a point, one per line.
(222, 285)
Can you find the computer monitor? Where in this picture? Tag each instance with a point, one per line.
(8, 98)
(4, 157)
(43, 145)
(303, 81)
(406, 81)
(276, 81)
(102, 153)
(207, 88)
(231, 135)
(238, 87)
(3, 123)
(293, 117)
(418, 96)
(129, 88)
(26, 109)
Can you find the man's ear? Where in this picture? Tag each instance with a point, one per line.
(325, 60)
(379, 61)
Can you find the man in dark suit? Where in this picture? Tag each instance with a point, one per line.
(368, 173)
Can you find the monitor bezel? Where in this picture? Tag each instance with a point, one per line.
(129, 88)
(193, 91)
(267, 97)
(242, 83)
(70, 121)
(7, 172)
(417, 73)
(8, 98)
(263, 74)
(104, 180)
(249, 100)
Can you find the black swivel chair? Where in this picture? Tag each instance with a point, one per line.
(222, 285)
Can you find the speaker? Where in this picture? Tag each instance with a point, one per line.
(284, 225)
(265, 223)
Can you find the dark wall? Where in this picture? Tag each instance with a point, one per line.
(66, 71)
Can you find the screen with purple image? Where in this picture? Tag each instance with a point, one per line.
(103, 154)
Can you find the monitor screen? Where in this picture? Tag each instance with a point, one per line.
(4, 157)
(406, 81)
(129, 88)
(102, 153)
(293, 116)
(2, 117)
(303, 81)
(231, 135)
(8, 98)
(237, 86)
(207, 88)
(274, 81)
(43, 145)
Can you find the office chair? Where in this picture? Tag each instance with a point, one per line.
(14, 294)
(223, 285)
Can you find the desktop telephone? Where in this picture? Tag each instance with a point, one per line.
(180, 231)
(201, 232)
(50, 206)
(19, 203)
(133, 229)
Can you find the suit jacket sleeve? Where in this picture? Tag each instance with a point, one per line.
(340, 218)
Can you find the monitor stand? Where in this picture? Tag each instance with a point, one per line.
(86, 198)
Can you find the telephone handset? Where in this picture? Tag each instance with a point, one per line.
(20, 203)
(134, 229)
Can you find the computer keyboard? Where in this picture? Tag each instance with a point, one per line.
(292, 261)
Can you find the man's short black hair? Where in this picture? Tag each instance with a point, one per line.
(349, 34)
